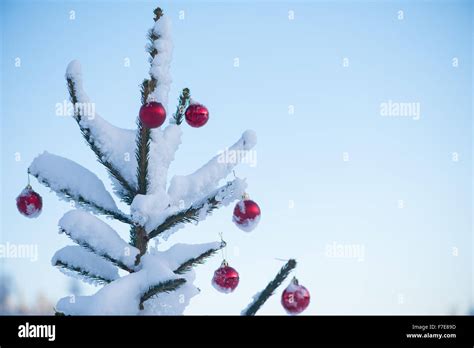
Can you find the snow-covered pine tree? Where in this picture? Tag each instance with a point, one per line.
(156, 282)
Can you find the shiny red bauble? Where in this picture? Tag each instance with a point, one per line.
(196, 115)
(295, 298)
(246, 215)
(225, 278)
(29, 203)
(152, 114)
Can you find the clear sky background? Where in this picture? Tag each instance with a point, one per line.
(417, 259)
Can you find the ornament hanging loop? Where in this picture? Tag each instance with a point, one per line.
(223, 249)
(28, 186)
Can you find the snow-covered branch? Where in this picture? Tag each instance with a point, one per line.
(76, 261)
(113, 146)
(182, 257)
(191, 187)
(163, 143)
(161, 51)
(98, 237)
(72, 181)
(260, 298)
(125, 296)
(163, 146)
(198, 211)
(183, 103)
(199, 260)
(167, 286)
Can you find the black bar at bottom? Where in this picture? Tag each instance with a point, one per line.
(413, 330)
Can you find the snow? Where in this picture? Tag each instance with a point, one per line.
(190, 187)
(121, 297)
(163, 146)
(83, 227)
(79, 257)
(248, 225)
(230, 192)
(293, 286)
(116, 144)
(221, 289)
(254, 298)
(225, 195)
(62, 174)
(180, 252)
(175, 302)
(160, 66)
(151, 210)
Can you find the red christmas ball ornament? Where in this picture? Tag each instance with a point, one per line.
(246, 215)
(29, 203)
(197, 115)
(225, 278)
(295, 298)
(152, 114)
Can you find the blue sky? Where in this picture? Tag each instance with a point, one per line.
(400, 195)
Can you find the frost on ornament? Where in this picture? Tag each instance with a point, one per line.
(29, 203)
(246, 215)
(295, 298)
(225, 279)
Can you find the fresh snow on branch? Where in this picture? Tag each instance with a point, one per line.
(123, 296)
(163, 147)
(117, 145)
(223, 196)
(78, 262)
(145, 209)
(160, 66)
(252, 303)
(174, 302)
(151, 210)
(180, 253)
(164, 143)
(72, 181)
(191, 187)
(92, 233)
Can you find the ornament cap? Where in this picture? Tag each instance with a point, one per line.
(245, 196)
(295, 281)
(224, 263)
